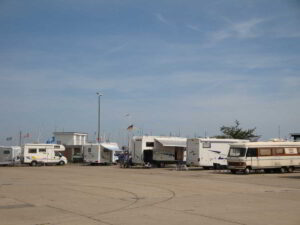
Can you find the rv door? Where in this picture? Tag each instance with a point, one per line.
(6, 155)
(252, 156)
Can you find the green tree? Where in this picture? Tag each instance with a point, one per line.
(236, 132)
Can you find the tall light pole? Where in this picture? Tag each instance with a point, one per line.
(99, 95)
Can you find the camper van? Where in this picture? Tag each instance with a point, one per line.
(10, 155)
(102, 153)
(157, 150)
(209, 152)
(35, 154)
(267, 156)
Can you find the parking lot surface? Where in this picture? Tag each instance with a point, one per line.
(76, 194)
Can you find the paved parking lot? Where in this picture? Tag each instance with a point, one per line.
(77, 194)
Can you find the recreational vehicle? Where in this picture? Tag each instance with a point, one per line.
(269, 156)
(209, 152)
(35, 154)
(10, 155)
(157, 150)
(102, 153)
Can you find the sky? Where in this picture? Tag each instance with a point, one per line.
(177, 67)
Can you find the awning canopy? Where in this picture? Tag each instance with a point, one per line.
(111, 147)
(172, 142)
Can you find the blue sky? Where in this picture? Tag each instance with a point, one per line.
(174, 66)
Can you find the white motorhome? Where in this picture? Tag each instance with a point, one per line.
(269, 156)
(157, 150)
(209, 152)
(10, 155)
(35, 154)
(102, 153)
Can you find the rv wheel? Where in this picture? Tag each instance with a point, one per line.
(233, 171)
(282, 170)
(61, 163)
(33, 163)
(291, 169)
(247, 170)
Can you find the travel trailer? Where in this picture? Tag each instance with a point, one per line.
(157, 150)
(269, 156)
(10, 155)
(35, 154)
(102, 153)
(209, 152)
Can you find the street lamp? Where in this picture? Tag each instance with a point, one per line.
(99, 95)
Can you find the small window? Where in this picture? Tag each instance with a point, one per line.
(6, 152)
(57, 146)
(252, 152)
(278, 151)
(206, 144)
(32, 150)
(290, 151)
(149, 144)
(89, 149)
(265, 152)
(43, 150)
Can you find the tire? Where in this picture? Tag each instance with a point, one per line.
(282, 170)
(61, 163)
(33, 163)
(247, 170)
(290, 169)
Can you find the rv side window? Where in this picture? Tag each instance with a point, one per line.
(6, 152)
(278, 151)
(42, 150)
(265, 152)
(32, 150)
(252, 152)
(57, 146)
(290, 151)
(149, 144)
(89, 149)
(206, 144)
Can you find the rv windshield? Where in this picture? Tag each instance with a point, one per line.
(237, 152)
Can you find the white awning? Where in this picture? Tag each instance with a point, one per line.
(111, 147)
(172, 142)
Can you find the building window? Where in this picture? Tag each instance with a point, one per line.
(32, 150)
(149, 144)
(206, 144)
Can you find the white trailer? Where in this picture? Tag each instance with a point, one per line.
(209, 152)
(102, 153)
(10, 155)
(267, 156)
(35, 154)
(157, 150)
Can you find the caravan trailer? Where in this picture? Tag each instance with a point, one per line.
(35, 154)
(269, 156)
(10, 155)
(102, 153)
(209, 152)
(157, 150)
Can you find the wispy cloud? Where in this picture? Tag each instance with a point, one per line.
(162, 19)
